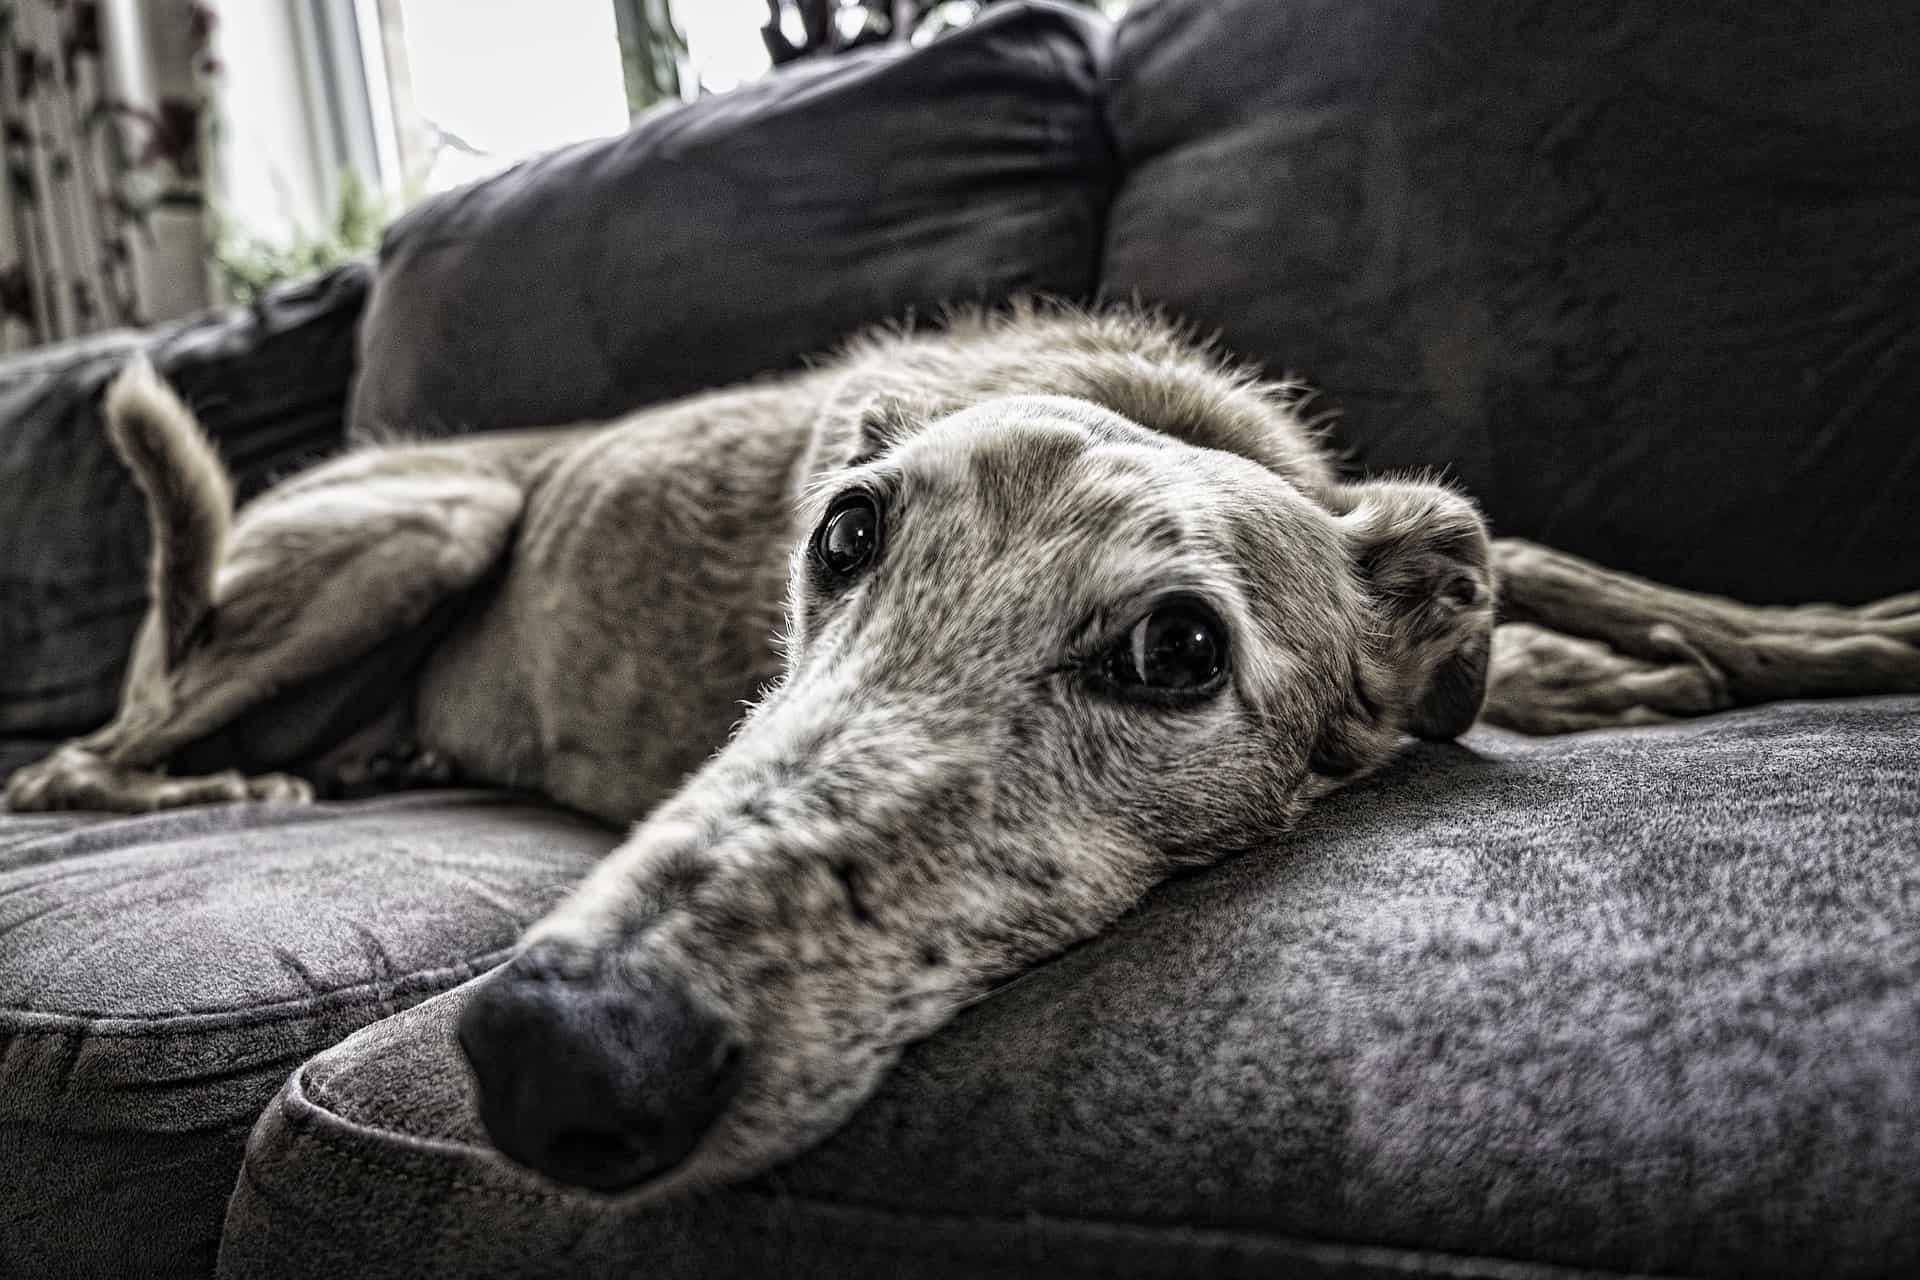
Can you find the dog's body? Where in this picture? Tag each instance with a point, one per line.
(1035, 610)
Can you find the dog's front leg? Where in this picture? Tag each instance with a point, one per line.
(1582, 646)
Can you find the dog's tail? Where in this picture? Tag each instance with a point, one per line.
(189, 497)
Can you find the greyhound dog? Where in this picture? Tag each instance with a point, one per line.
(1029, 612)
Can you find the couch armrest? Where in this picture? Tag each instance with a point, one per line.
(270, 382)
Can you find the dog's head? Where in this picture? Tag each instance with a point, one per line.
(1037, 657)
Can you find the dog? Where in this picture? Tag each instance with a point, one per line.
(1028, 612)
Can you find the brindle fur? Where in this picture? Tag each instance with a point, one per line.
(925, 796)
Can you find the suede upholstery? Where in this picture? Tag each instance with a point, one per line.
(1639, 276)
(160, 976)
(1638, 1000)
(1625, 1001)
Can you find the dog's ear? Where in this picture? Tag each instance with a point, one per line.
(1420, 551)
(855, 428)
(885, 420)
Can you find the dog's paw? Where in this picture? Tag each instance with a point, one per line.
(75, 778)
(30, 789)
(71, 778)
(398, 767)
(147, 792)
(279, 788)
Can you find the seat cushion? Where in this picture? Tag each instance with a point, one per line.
(160, 977)
(1625, 1001)
(1640, 276)
(723, 238)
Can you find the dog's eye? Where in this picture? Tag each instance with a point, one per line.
(849, 538)
(1179, 648)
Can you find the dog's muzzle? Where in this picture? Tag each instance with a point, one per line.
(594, 1076)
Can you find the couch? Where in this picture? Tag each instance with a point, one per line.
(1639, 277)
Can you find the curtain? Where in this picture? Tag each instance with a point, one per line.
(103, 144)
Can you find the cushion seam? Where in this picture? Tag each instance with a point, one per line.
(1103, 185)
(1337, 1251)
(306, 1124)
(183, 1024)
(304, 1118)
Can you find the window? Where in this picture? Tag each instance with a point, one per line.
(449, 65)
(325, 103)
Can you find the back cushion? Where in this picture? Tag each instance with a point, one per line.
(736, 234)
(1644, 277)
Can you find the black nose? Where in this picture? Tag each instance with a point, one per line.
(593, 1077)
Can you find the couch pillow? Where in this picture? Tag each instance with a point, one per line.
(269, 383)
(1641, 276)
(736, 234)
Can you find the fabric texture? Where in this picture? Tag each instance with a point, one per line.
(269, 383)
(1638, 1001)
(731, 236)
(160, 976)
(1639, 276)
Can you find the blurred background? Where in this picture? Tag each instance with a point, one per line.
(167, 155)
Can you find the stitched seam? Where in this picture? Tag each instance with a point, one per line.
(386, 1171)
(1335, 1252)
(245, 818)
(308, 1121)
(88, 1025)
(1105, 187)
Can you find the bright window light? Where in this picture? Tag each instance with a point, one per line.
(496, 81)
(723, 41)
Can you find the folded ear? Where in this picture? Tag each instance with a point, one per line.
(1421, 553)
(856, 426)
(885, 420)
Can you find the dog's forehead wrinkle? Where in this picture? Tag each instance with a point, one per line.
(1075, 506)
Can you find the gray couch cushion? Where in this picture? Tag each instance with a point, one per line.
(730, 236)
(269, 383)
(1631, 1000)
(1640, 275)
(160, 976)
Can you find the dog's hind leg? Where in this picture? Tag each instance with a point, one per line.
(1582, 647)
(316, 574)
